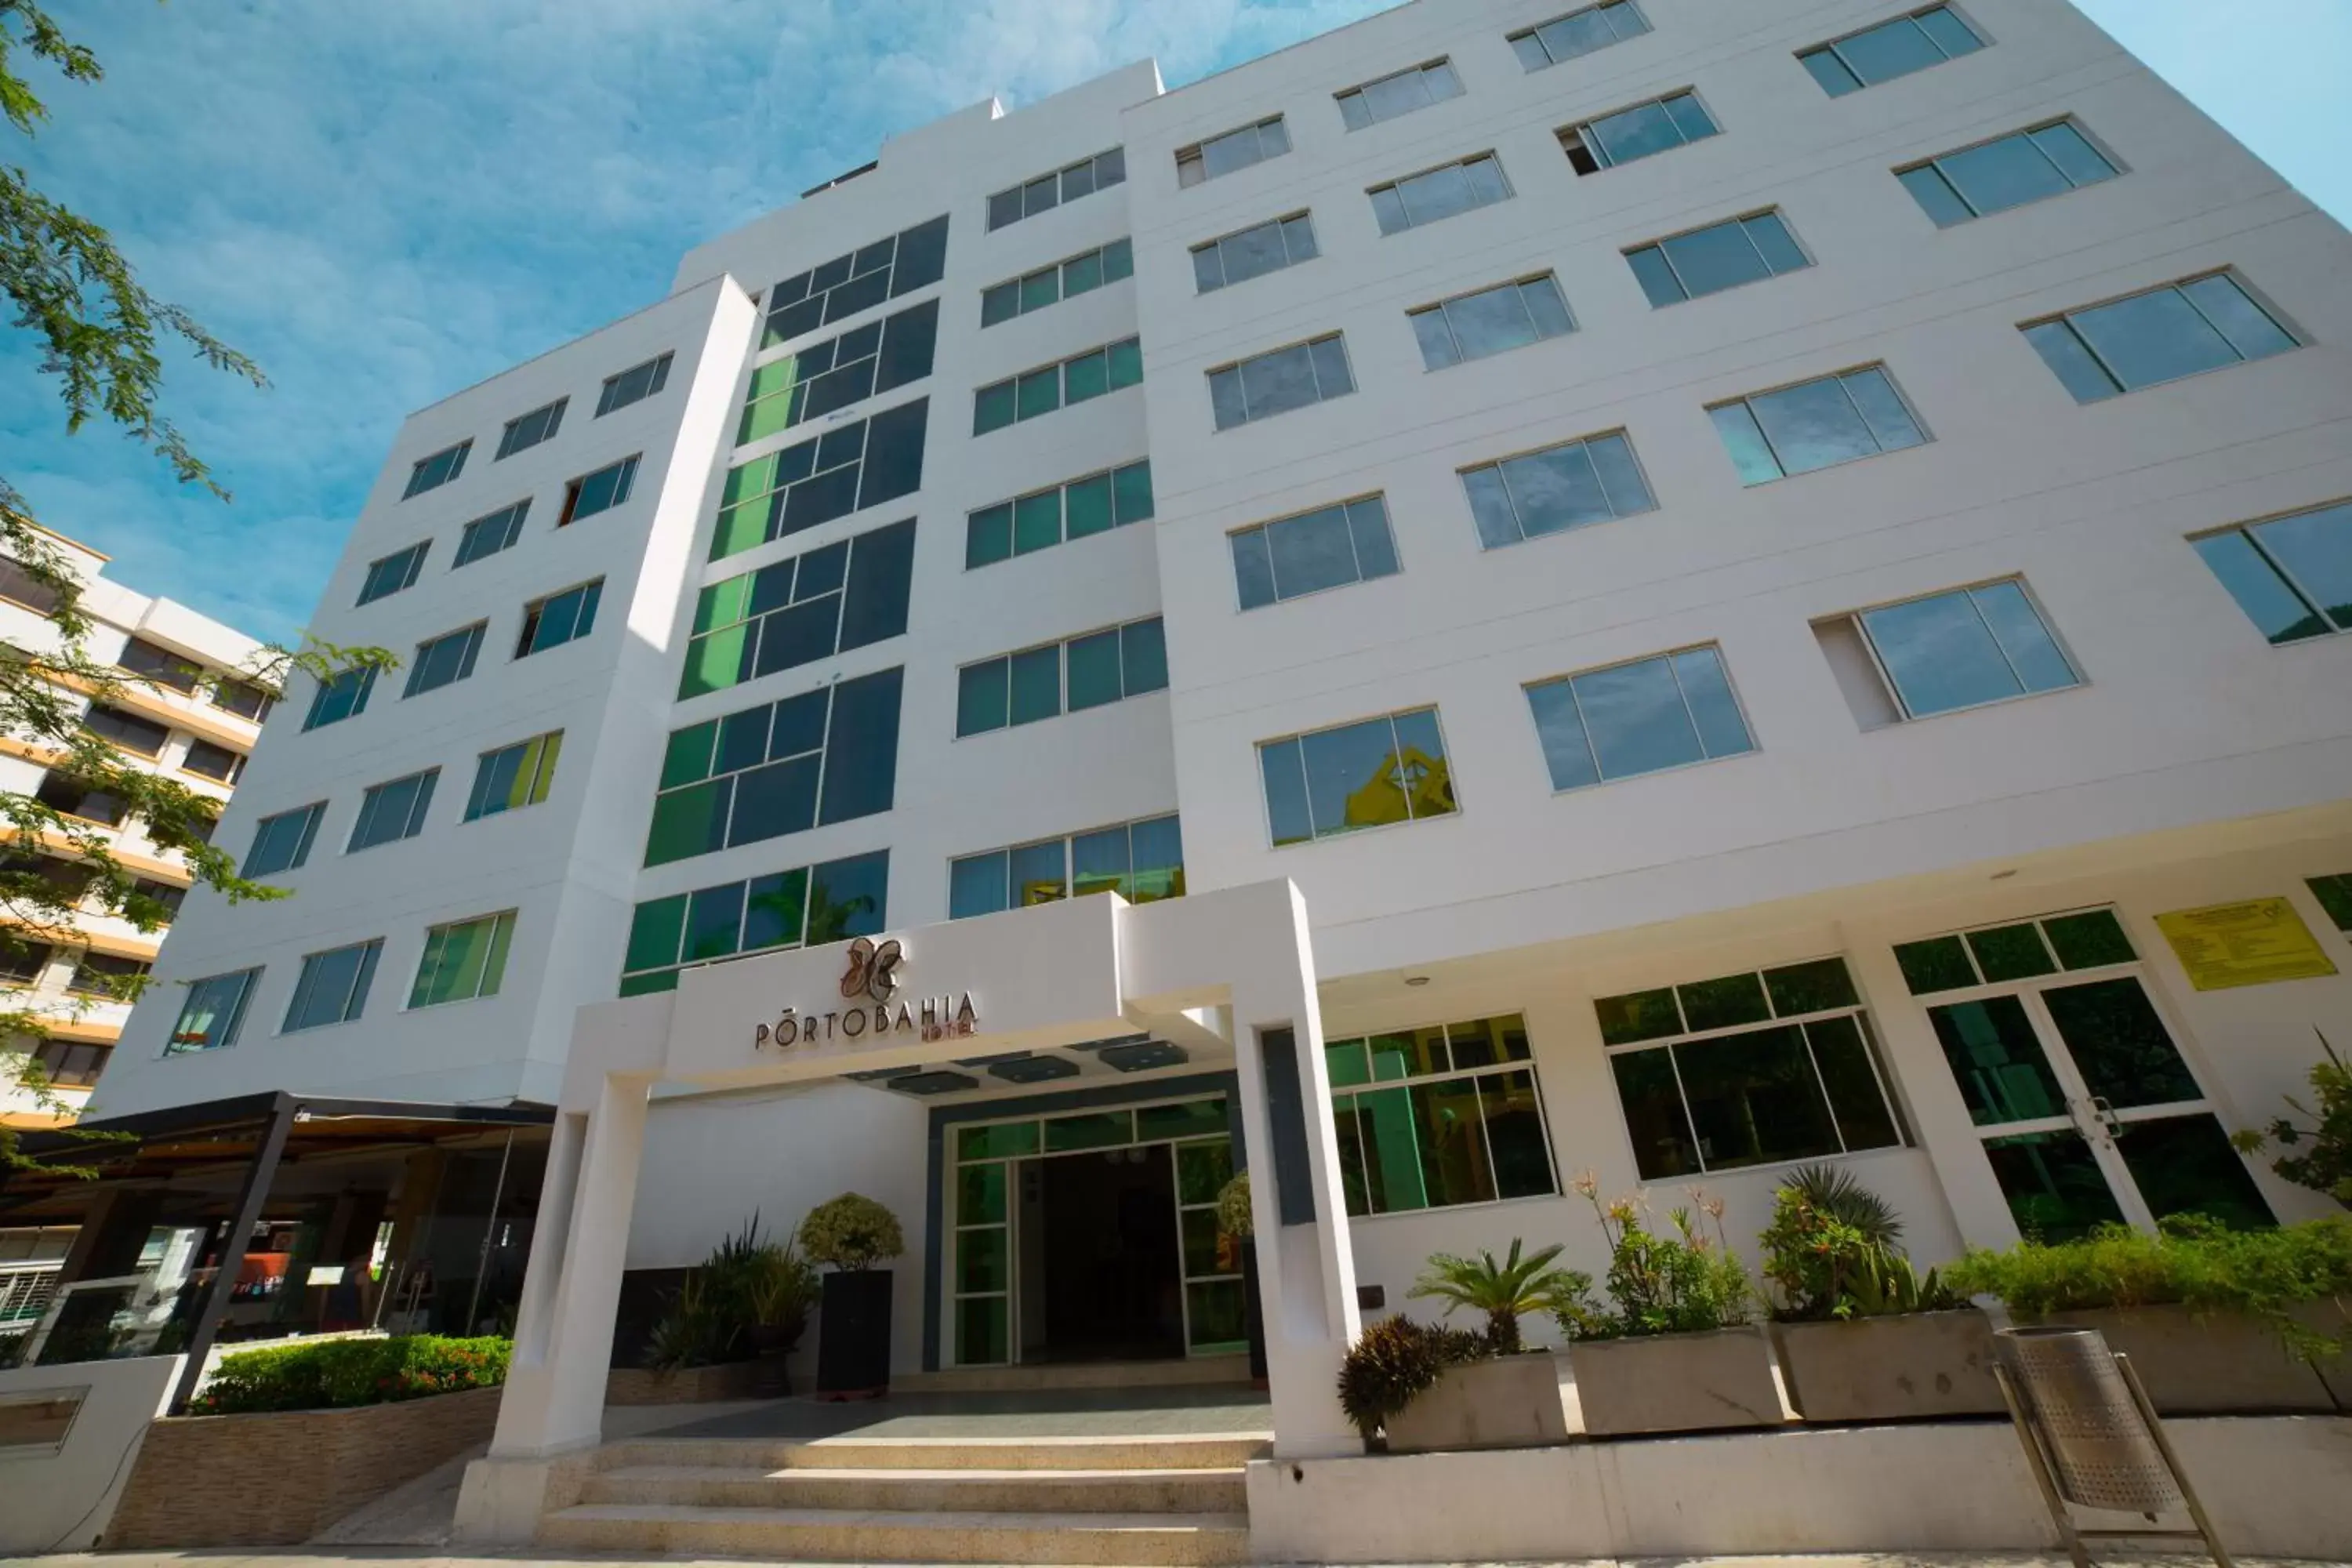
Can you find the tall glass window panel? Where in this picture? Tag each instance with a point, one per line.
(1366, 774)
(1441, 1129)
(1490, 320)
(514, 776)
(463, 960)
(333, 987)
(1327, 548)
(282, 843)
(1046, 191)
(633, 386)
(1434, 194)
(1232, 152)
(1095, 504)
(2293, 575)
(1641, 131)
(445, 659)
(1286, 379)
(1252, 252)
(1578, 33)
(1815, 425)
(1966, 648)
(1721, 255)
(1994, 176)
(431, 473)
(1638, 718)
(392, 811)
(340, 696)
(1578, 482)
(392, 573)
(2164, 334)
(1393, 97)
(600, 491)
(211, 1011)
(1891, 49)
(491, 534)
(558, 619)
(529, 430)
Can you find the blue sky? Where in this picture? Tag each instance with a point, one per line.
(383, 203)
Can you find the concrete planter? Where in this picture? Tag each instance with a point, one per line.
(689, 1385)
(1720, 1381)
(2333, 1319)
(1511, 1402)
(2222, 1363)
(1910, 1367)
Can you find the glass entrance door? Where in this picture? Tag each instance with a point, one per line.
(2088, 1111)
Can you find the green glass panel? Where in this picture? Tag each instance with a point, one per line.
(713, 663)
(1201, 1250)
(1086, 377)
(1814, 987)
(988, 535)
(646, 984)
(722, 604)
(1840, 1051)
(1039, 392)
(2125, 1055)
(1392, 1151)
(740, 528)
(1202, 1170)
(2055, 1189)
(1214, 1309)
(1453, 1138)
(1475, 1044)
(1036, 522)
(982, 1322)
(1754, 1098)
(2010, 952)
(1082, 274)
(686, 759)
(1997, 1059)
(1939, 963)
(774, 907)
(1395, 1057)
(655, 933)
(1119, 261)
(992, 408)
(1515, 1134)
(979, 1199)
(776, 376)
(1655, 1118)
(1721, 1004)
(1006, 1140)
(2184, 1165)
(1638, 1016)
(1100, 1130)
(689, 822)
(1039, 289)
(1088, 506)
(1131, 493)
(2088, 940)
(1126, 363)
(1346, 1062)
(2335, 896)
(981, 1256)
(749, 480)
(1193, 1119)
(765, 418)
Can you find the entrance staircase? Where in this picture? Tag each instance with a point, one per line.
(1176, 1499)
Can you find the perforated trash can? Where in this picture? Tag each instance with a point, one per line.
(2105, 1454)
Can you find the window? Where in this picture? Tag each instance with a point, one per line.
(129, 731)
(1943, 652)
(1639, 717)
(1399, 94)
(1096, 504)
(216, 763)
(514, 776)
(2163, 334)
(1435, 1117)
(847, 594)
(488, 535)
(340, 696)
(24, 962)
(211, 1011)
(1233, 151)
(107, 976)
(1815, 425)
(1991, 955)
(808, 905)
(634, 385)
(1080, 274)
(600, 491)
(822, 757)
(1440, 192)
(558, 618)
(333, 987)
(1089, 375)
(19, 586)
(1142, 862)
(392, 811)
(894, 266)
(2292, 575)
(1267, 247)
(171, 895)
(1353, 776)
(1277, 382)
(880, 356)
(1718, 256)
(529, 430)
(1065, 677)
(1759, 1069)
(243, 699)
(66, 882)
(847, 469)
(1578, 33)
(2010, 172)
(69, 1065)
(1660, 125)
(1327, 548)
(431, 473)
(1591, 479)
(281, 843)
(1506, 316)
(391, 573)
(1893, 48)
(1049, 191)
(162, 665)
(444, 661)
(71, 797)
(463, 960)
(2335, 896)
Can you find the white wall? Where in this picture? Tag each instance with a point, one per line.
(62, 1499)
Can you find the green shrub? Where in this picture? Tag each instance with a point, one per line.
(1395, 1361)
(334, 1373)
(1830, 1249)
(1681, 1283)
(1504, 1291)
(2319, 1156)
(744, 1287)
(1234, 1217)
(851, 1231)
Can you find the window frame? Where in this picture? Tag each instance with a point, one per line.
(175, 1041)
(134, 722)
(1745, 402)
(2296, 338)
(738, 508)
(360, 681)
(1967, 23)
(1281, 224)
(1740, 219)
(1534, 32)
(1061, 493)
(1437, 308)
(494, 959)
(1578, 135)
(513, 515)
(1378, 498)
(1518, 517)
(355, 995)
(420, 472)
(1602, 779)
(475, 635)
(1123, 247)
(1307, 345)
(920, 249)
(540, 753)
(315, 813)
(1903, 710)
(409, 562)
(1490, 155)
(869, 923)
(1060, 370)
(1300, 737)
(511, 438)
(2115, 169)
(1194, 157)
(1514, 1065)
(609, 401)
(2310, 600)
(1070, 877)
(420, 806)
(583, 619)
(1361, 90)
(1062, 676)
(1112, 158)
(623, 489)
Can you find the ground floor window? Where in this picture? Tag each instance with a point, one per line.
(1755, 1068)
(1434, 1117)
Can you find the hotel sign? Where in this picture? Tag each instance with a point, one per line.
(868, 1010)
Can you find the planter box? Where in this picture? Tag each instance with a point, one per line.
(1511, 1402)
(2222, 1363)
(687, 1385)
(1913, 1366)
(1720, 1381)
(281, 1478)
(853, 1335)
(2333, 1319)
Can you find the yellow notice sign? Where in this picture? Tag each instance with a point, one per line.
(2250, 943)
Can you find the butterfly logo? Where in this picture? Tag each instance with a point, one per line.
(873, 971)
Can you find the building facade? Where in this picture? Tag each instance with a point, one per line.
(1774, 584)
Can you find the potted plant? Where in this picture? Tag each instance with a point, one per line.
(1506, 1397)
(852, 1343)
(1860, 1336)
(1675, 1350)
(780, 1288)
(1237, 1223)
(1393, 1362)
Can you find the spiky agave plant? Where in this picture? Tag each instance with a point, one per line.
(1504, 1290)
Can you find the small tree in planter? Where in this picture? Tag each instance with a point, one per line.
(852, 1233)
(1498, 1398)
(1237, 1222)
(1504, 1291)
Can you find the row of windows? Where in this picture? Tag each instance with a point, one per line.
(810, 382)
(152, 662)
(70, 797)
(808, 905)
(1142, 862)
(444, 660)
(887, 268)
(68, 882)
(1080, 274)
(1046, 682)
(524, 431)
(462, 959)
(489, 534)
(1079, 379)
(845, 595)
(1074, 509)
(848, 468)
(505, 778)
(145, 737)
(103, 975)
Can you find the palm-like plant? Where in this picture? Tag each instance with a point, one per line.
(1834, 1191)
(1502, 1290)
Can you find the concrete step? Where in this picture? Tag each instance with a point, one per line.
(826, 1536)
(1172, 1372)
(1184, 1451)
(940, 1490)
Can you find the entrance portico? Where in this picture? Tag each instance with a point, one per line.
(1228, 971)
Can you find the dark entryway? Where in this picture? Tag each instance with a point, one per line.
(1113, 1281)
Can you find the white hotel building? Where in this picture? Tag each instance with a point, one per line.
(1774, 578)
